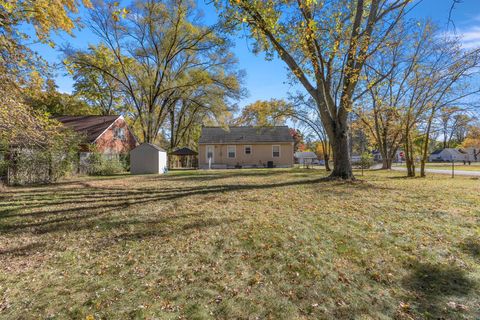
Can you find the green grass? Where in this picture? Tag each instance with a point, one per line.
(474, 166)
(275, 244)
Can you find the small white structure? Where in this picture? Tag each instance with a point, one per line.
(148, 158)
(448, 154)
(306, 158)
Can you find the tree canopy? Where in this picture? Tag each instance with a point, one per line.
(159, 57)
(325, 44)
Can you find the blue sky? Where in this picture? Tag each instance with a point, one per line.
(268, 79)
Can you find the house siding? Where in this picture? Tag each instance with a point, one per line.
(261, 153)
(108, 144)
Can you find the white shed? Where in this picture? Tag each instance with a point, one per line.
(148, 158)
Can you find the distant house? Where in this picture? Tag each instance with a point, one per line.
(472, 153)
(109, 135)
(306, 157)
(377, 156)
(448, 154)
(247, 147)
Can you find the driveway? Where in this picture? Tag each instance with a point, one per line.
(440, 171)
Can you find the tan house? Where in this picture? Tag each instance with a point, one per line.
(245, 147)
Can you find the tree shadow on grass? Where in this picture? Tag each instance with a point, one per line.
(434, 285)
(147, 231)
(471, 246)
(77, 209)
(22, 250)
(218, 175)
(405, 177)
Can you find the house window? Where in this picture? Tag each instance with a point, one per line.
(276, 151)
(119, 133)
(248, 149)
(231, 150)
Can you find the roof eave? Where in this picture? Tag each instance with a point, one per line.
(111, 124)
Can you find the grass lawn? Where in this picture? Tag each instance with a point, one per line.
(475, 166)
(275, 244)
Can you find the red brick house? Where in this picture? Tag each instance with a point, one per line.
(109, 135)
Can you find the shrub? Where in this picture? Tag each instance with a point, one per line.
(366, 160)
(100, 165)
(35, 148)
(24, 164)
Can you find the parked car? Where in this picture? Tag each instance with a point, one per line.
(319, 162)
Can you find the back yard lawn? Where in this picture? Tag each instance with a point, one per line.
(277, 244)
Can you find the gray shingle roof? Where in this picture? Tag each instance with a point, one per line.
(184, 152)
(245, 134)
(154, 146)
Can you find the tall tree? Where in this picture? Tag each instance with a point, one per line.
(210, 103)
(438, 77)
(22, 71)
(17, 60)
(424, 72)
(298, 140)
(159, 50)
(53, 103)
(273, 112)
(306, 113)
(454, 124)
(95, 87)
(325, 44)
(472, 140)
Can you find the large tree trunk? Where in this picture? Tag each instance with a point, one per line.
(326, 157)
(172, 138)
(409, 159)
(386, 162)
(342, 168)
(386, 159)
(425, 145)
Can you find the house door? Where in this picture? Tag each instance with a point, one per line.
(209, 153)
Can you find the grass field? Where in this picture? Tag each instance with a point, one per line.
(266, 244)
(474, 166)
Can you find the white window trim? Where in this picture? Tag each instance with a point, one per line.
(245, 149)
(116, 132)
(234, 150)
(276, 145)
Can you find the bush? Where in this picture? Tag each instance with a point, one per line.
(366, 160)
(3, 169)
(24, 165)
(125, 160)
(99, 165)
(3, 166)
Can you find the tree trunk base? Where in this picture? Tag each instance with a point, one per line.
(342, 176)
(342, 168)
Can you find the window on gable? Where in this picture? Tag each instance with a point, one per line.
(276, 151)
(248, 149)
(119, 133)
(231, 150)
